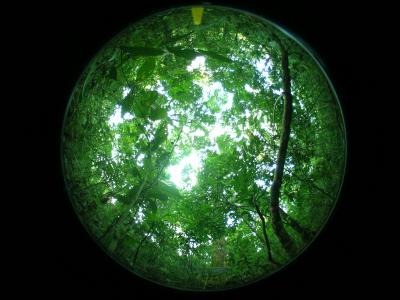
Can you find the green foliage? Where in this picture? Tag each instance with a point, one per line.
(169, 157)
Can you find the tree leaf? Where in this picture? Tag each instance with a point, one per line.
(141, 51)
(217, 56)
(141, 106)
(160, 137)
(127, 104)
(168, 189)
(188, 54)
(158, 113)
(134, 171)
(146, 69)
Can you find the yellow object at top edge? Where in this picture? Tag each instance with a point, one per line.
(197, 13)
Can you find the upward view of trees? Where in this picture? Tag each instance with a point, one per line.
(203, 150)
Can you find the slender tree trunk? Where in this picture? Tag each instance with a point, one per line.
(305, 233)
(264, 231)
(117, 220)
(262, 240)
(138, 248)
(277, 224)
(219, 252)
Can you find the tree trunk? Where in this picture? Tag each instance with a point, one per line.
(277, 224)
(218, 253)
(138, 248)
(117, 220)
(264, 231)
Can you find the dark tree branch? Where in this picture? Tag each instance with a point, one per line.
(140, 245)
(119, 219)
(264, 229)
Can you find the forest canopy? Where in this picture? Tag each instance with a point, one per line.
(203, 148)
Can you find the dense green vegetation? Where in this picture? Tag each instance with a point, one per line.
(203, 154)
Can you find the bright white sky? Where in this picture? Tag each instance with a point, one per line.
(176, 171)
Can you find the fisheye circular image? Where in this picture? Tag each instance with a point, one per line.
(203, 148)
